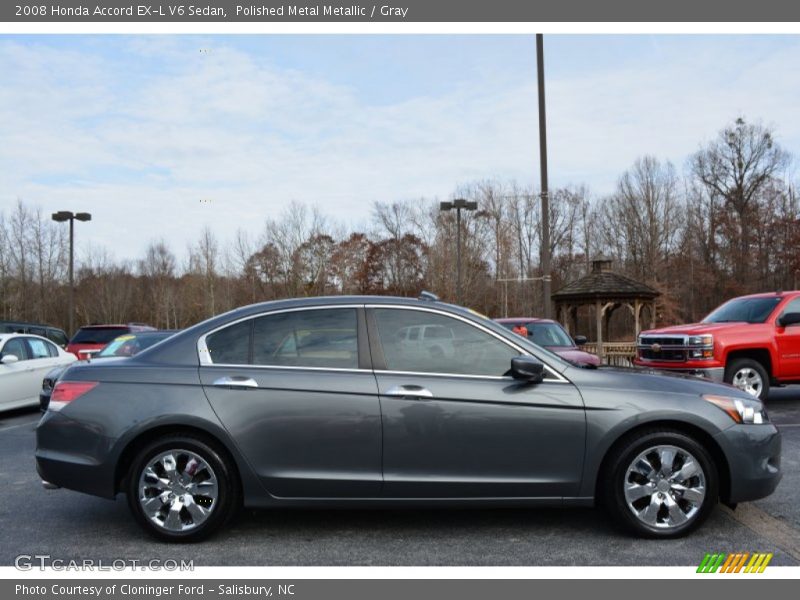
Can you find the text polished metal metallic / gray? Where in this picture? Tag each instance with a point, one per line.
(373, 401)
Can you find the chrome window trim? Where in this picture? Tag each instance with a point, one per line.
(558, 377)
(205, 358)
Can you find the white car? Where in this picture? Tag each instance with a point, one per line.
(24, 361)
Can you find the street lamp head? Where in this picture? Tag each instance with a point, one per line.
(61, 216)
(446, 206)
(463, 204)
(83, 216)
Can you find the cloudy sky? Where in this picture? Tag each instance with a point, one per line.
(158, 136)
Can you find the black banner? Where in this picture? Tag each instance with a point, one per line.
(400, 11)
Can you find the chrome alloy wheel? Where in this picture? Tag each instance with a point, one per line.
(748, 380)
(178, 490)
(665, 487)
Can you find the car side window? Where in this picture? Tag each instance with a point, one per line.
(15, 346)
(448, 346)
(231, 345)
(38, 348)
(324, 338)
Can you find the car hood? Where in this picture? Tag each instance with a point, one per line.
(642, 380)
(695, 328)
(575, 355)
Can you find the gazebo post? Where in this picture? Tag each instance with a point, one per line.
(599, 316)
(636, 307)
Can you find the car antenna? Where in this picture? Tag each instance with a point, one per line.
(428, 296)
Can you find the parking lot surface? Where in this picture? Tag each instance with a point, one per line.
(71, 526)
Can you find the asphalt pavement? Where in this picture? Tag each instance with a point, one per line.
(71, 526)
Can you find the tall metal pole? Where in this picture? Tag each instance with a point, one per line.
(545, 248)
(458, 256)
(71, 281)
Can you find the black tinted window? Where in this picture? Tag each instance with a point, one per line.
(308, 338)
(57, 336)
(448, 345)
(231, 346)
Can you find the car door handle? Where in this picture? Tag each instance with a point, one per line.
(409, 391)
(236, 381)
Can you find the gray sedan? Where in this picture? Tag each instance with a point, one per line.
(326, 402)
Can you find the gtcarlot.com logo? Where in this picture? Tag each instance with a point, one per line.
(740, 562)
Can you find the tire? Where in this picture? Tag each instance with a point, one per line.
(736, 374)
(656, 513)
(201, 496)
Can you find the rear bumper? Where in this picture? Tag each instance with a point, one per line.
(71, 455)
(754, 458)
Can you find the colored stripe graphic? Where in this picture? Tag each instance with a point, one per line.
(734, 563)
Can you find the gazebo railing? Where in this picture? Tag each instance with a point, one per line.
(618, 354)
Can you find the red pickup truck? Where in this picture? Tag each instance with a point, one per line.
(751, 342)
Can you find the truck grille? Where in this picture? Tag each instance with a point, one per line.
(663, 348)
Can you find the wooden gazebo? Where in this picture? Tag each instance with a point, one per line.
(606, 291)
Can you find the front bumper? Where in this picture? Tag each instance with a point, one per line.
(753, 453)
(715, 374)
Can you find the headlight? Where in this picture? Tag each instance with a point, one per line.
(701, 340)
(741, 410)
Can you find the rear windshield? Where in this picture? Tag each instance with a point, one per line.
(97, 335)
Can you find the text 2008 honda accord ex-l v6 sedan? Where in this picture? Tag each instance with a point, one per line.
(331, 402)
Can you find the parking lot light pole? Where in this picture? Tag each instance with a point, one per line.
(458, 204)
(60, 217)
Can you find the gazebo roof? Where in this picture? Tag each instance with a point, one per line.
(602, 283)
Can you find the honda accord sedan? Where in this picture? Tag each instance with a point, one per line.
(324, 402)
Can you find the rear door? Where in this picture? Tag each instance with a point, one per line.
(296, 391)
(456, 425)
(43, 357)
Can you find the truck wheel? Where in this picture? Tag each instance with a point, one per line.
(659, 483)
(749, 376)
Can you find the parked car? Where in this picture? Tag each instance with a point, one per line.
(125, 345)
(751, 342)
(222, 415)
(92, 338)
(551, 335)
(54, 334)
(24, 359)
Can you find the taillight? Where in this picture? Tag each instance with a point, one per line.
(67, 391)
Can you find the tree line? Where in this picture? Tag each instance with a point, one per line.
(727, 222)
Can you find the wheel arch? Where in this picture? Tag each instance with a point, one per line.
(761, 355)
(146, 436)
(695, 432)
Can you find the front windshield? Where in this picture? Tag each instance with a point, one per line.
(744, 310)
(548, 334)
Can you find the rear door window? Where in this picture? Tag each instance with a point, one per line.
(39, 348)
(231, 345)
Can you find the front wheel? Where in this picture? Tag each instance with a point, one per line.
(181, 489)
(660, 483)
(749, 376)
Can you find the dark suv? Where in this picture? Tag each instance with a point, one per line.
(53, 334)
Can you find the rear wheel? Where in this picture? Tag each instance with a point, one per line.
(749, 376)
(181, 489)
(660, 483)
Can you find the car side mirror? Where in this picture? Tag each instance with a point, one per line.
(788, 319)
(527, 368)
(580, 340)
(9, 359)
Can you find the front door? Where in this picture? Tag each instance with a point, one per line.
(787, 340)
(456, 425)
(295, 393)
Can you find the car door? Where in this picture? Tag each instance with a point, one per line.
(43, 357)
(15, 388)
(787, 340)
(296, 391)
(456, 425)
